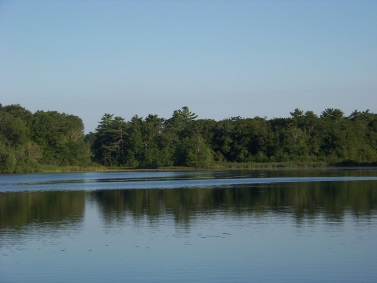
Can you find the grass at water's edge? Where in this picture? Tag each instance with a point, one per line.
(218, 166)
(70, 168)
(271, 165)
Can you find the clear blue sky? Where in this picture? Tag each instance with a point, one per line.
(220, 58)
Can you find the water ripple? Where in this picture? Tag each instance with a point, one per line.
(82, 182)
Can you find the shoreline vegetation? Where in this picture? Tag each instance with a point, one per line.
(49, 141)
(232, 166)
(228, 166)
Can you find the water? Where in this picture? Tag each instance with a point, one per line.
(209, 226)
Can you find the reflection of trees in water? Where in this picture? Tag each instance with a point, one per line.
(52, 208)
(302, 200)
(299, 199)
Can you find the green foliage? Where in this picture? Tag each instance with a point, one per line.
(28, 140)
(13, 130)
(332, 114)
(109, 141)
(61, 138)
(304, 138)
(198, 153)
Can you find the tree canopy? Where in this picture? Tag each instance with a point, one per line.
(28, 139)
(184, 140)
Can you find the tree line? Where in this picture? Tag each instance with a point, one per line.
(28, 139)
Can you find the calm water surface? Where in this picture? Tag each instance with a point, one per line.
(210, 226)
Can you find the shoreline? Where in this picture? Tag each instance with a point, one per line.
(41, 169)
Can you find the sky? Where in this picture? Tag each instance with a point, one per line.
(221, 58)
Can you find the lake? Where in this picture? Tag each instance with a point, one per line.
(190, 226)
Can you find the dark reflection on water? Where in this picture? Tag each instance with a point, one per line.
(313, 231)
(299, 199)
(52, 208)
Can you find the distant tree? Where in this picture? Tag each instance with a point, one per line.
(135, 144)
(176, 130)
(180, 121)
(18, 153)
(152, 128)
(109, 145)
(19, 112)
(197, 153)
(13, 131)
(297, 115)
(60, 137)
(334, 115)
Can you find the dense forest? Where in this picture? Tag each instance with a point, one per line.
(29, 140)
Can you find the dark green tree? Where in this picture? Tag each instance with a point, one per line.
(60, 137)
(135, 145)
(152, 128)
(176, 130)
(109, 145)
